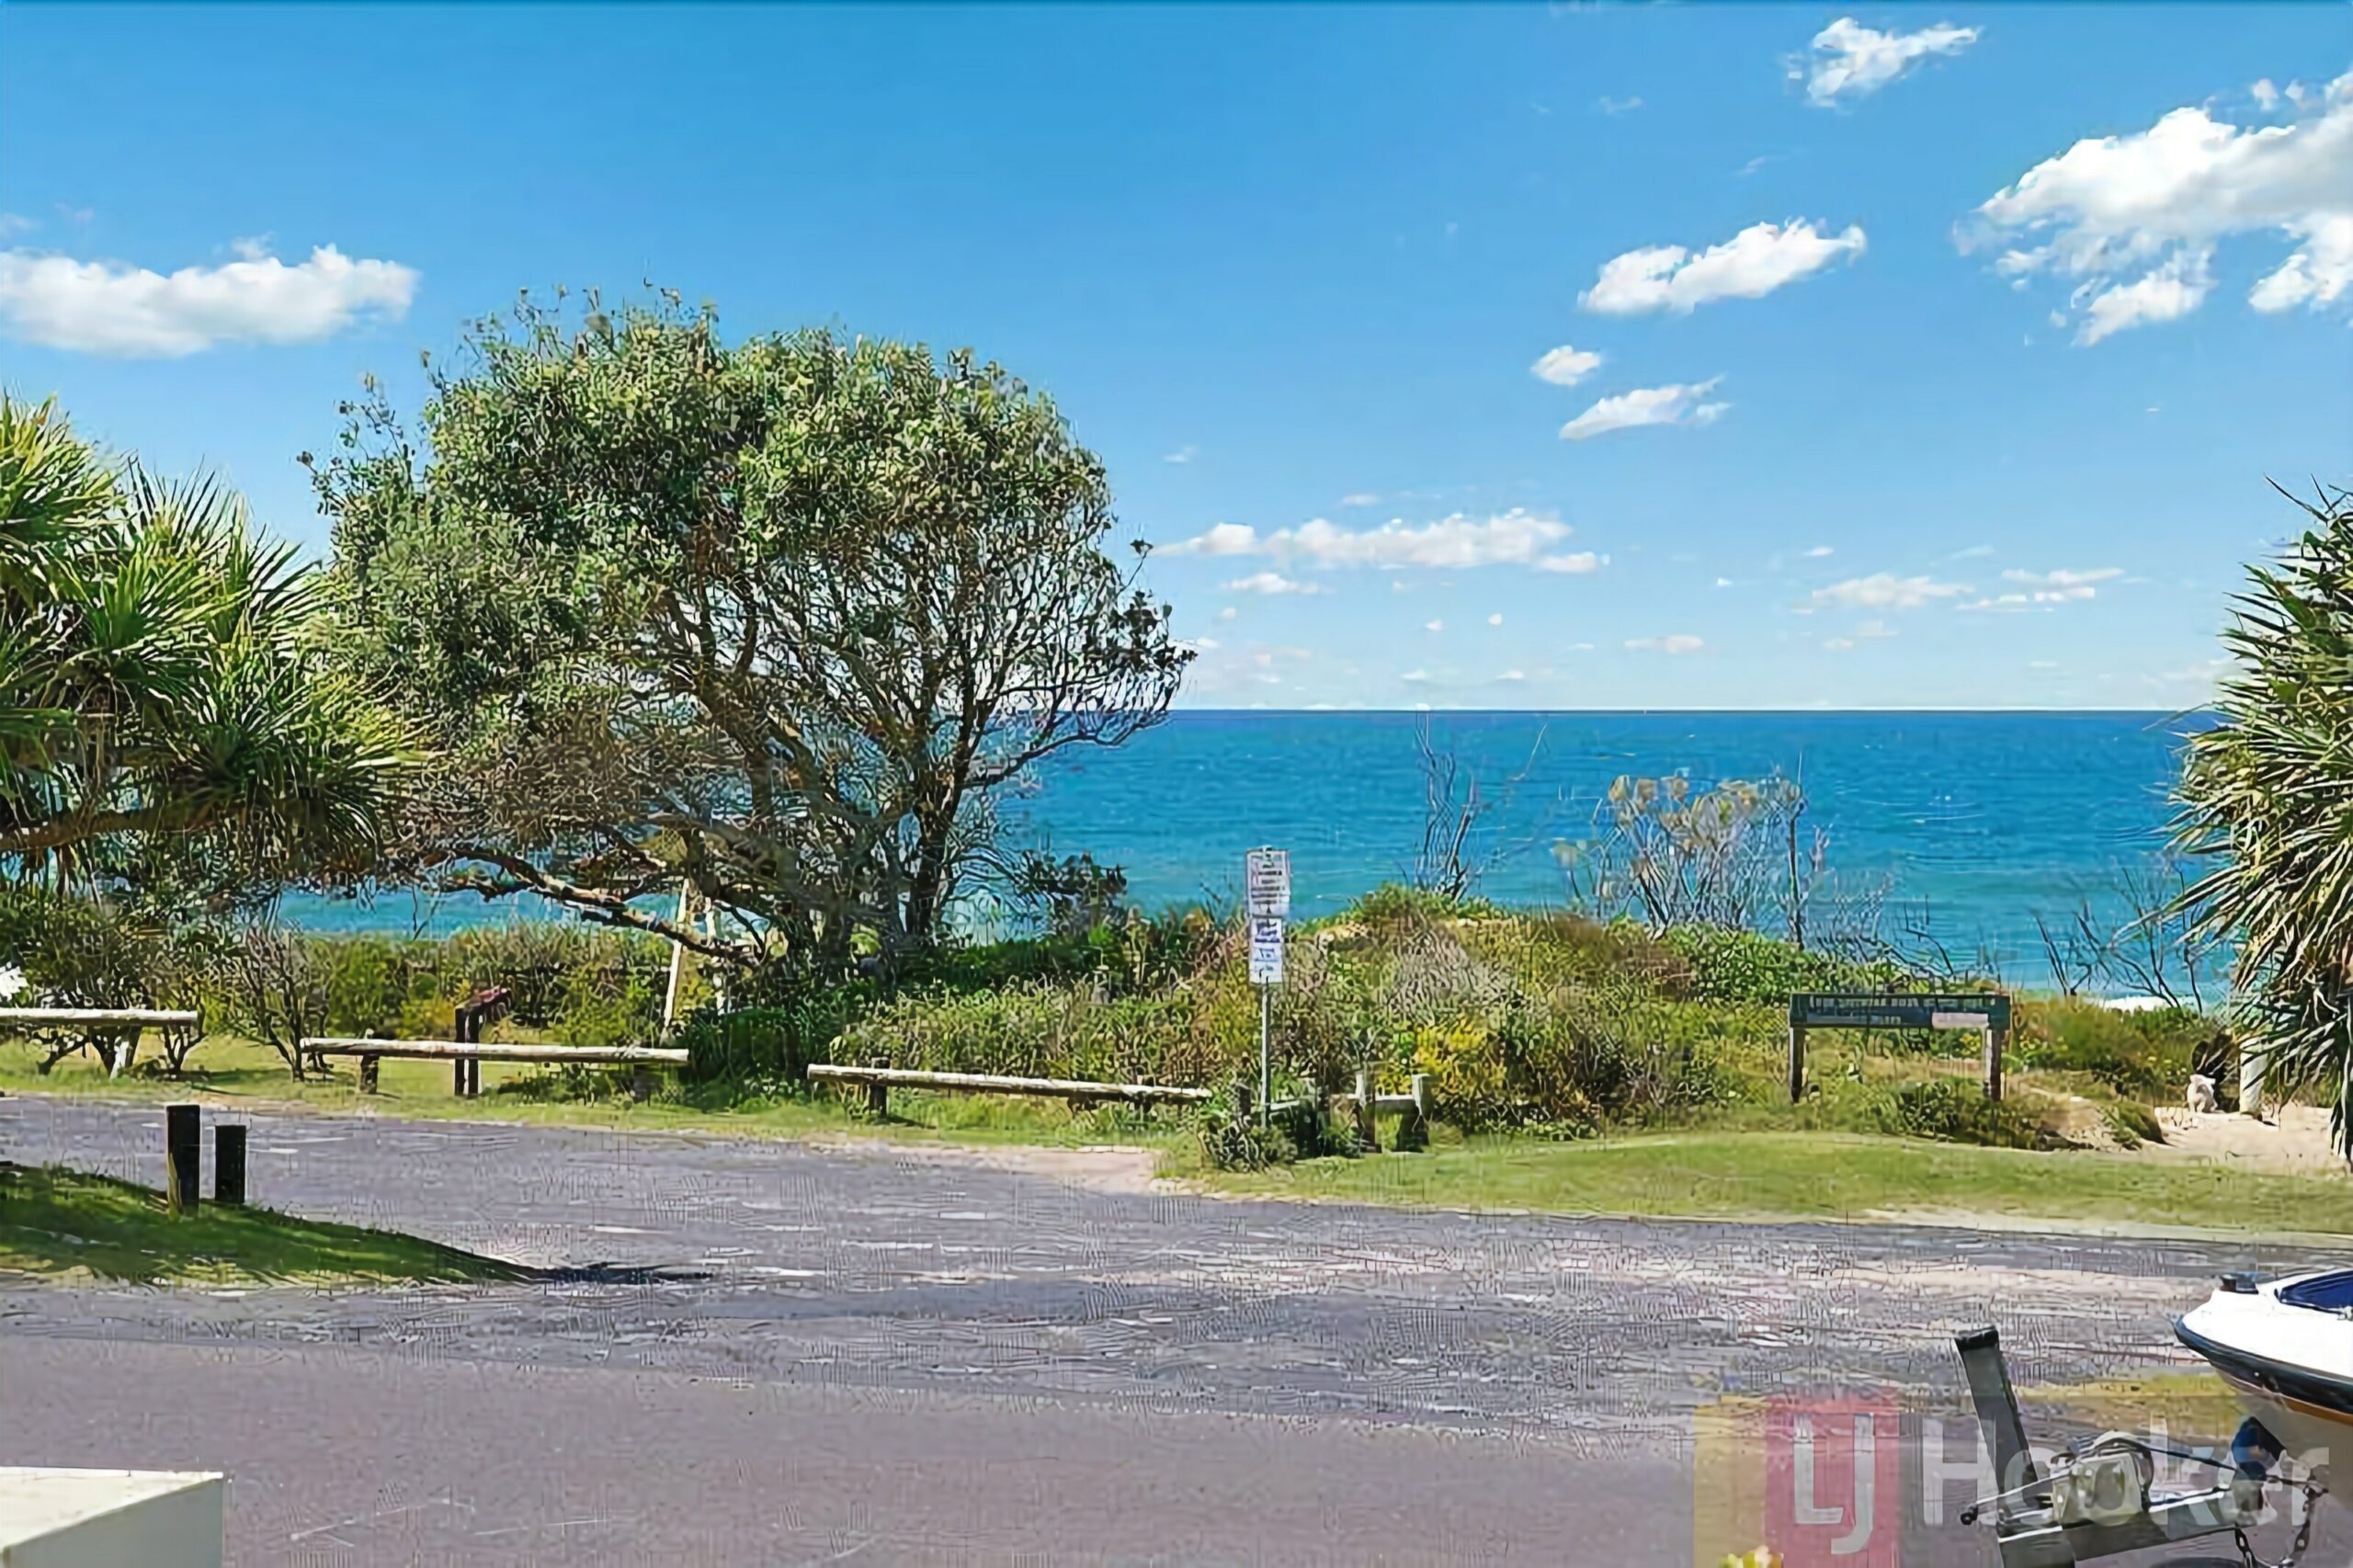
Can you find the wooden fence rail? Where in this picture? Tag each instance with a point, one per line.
(469, 1055)
(878, 1082)
(98, 1018)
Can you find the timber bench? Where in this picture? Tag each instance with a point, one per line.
(469, 1055)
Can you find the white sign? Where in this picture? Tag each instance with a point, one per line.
(1957, 1020)
(1267, 876)
(1265, 950)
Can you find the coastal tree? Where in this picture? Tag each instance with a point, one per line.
(772, 622)
(2266, 798)
(163, 688)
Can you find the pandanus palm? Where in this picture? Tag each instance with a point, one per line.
(161, 674)
(2266, 796)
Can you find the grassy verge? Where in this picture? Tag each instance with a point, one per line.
(57, 1223)
(1814, 1175)
(229, 1071)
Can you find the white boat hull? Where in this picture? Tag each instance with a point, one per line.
(2285, 1348)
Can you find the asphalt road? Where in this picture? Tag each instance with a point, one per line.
(882, 1353)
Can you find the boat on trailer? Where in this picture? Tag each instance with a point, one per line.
(2286, 1350)
(2285, 1346)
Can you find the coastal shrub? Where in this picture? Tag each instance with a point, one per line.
(76, 951)
(1030, 1031)
(1398, 904)
(1233, 1142)
(1955, 1111)
(2149, 1055)
(1749, 966)
(771, 1044)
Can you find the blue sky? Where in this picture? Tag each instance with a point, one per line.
(1290, 271)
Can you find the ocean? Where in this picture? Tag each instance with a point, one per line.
(1976, 821)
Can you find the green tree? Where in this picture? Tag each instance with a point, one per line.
(162, 685)
(776, 620)
(2266, 798)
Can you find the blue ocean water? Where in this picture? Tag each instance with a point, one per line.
(1978, 819)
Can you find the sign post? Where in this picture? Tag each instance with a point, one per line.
(1266, 881)
(1985, 1012)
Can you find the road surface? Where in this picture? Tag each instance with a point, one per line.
(877, 1353)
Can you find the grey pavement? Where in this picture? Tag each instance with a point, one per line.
(879, 1353)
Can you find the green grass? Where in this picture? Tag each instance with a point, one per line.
(1814, 1175)
(57, 1222)
(230, 1072)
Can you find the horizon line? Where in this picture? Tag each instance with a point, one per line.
(1817, 711)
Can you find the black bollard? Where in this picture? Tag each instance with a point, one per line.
(229, 1165)
(183, 1155)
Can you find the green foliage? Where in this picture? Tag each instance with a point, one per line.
(1954, 1110)
(774, 1044)
(1036, 1031)
(2150, 1054)
(80, 951)
(161, 678)
(1233, 1142)
(1748, 966)
(1393, 905)
(2265, 796)
(777, 619)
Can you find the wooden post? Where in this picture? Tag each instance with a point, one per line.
(183, 1155)
(229, 1163)
(1797, 1061)
(1997, 1041)
(1241, 1092)
(1413, 1129)
(367, 1074)
(878, 1099)
(466, 1021)
(1368, 1126)
(2251, 1080)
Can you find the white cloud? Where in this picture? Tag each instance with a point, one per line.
(1228, 613)
(1496, 619)
(14, 223)
(1516, 537)
(1724, 582)
(2165, 293)
(1269, 582)
(1884, 590)
(1434, 626)
(1513, 675)
(1677, 404)
(1574, 564)
(2063, 577)
(1679, 642)
(1752, 264)
(1607, 104)
(2318, 272)
(1837, 644)
(2267, 97)
(1818, 552)
(2045, 590)
(1360, 499)
(2136, 218)
(1851, 59)
(105, 307)
(1415, 676)
(1222, 538)
(1198, 645)
(1183, 454)
(1564, 366)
